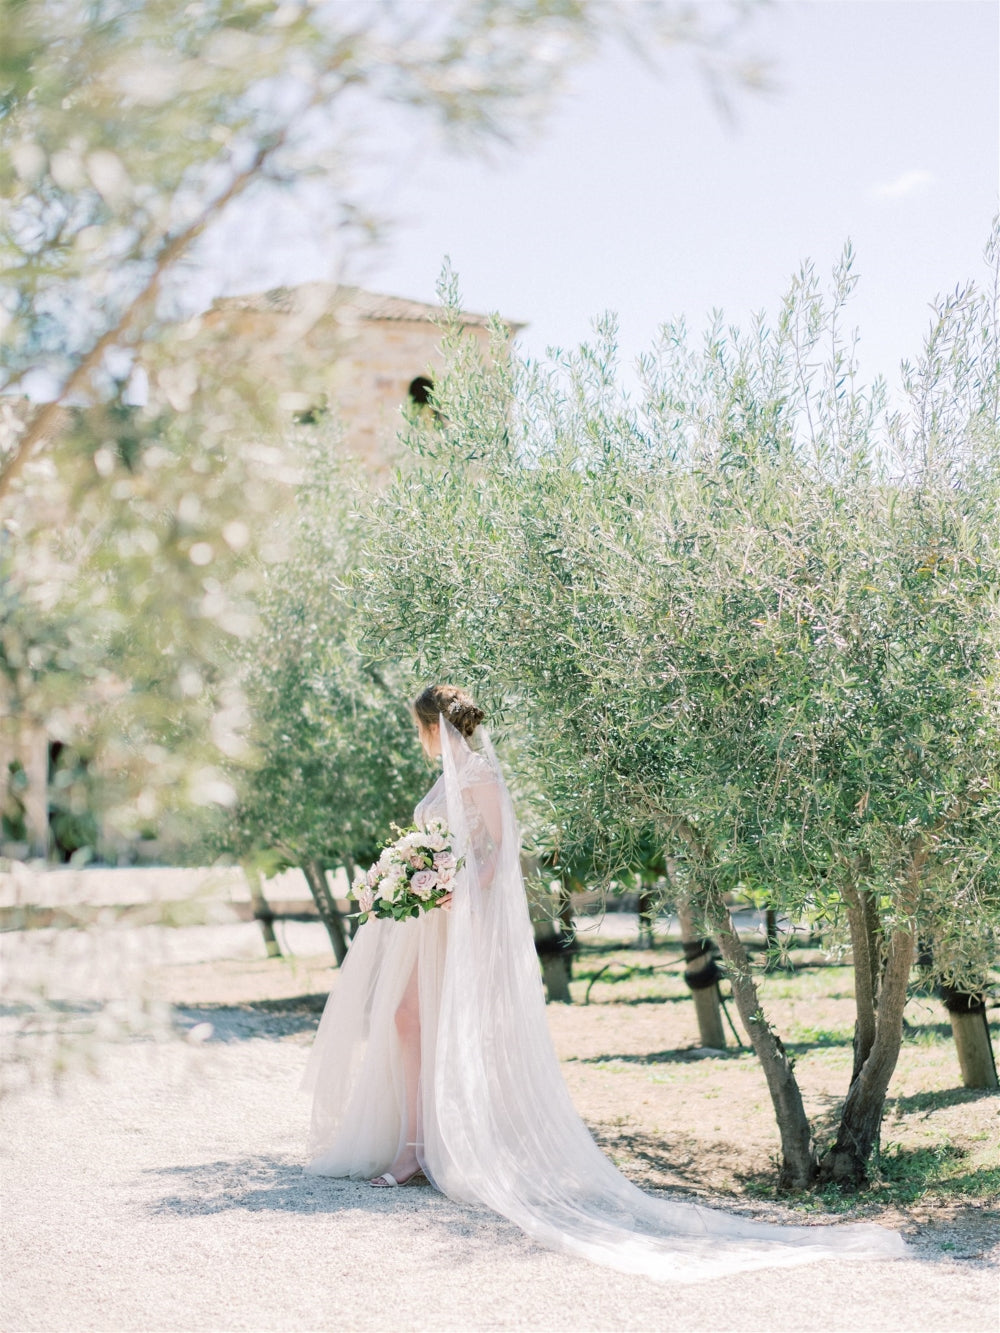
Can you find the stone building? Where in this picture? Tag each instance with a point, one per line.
(361, 353)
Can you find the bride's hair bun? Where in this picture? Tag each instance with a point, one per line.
(456, 705)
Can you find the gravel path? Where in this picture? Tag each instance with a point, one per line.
(167, 1194)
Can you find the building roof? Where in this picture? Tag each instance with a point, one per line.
(356, 302)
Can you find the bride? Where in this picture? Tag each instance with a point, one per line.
(433, 1055)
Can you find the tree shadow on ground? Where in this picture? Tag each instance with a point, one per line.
(964, 1231)
(274, 1183)
(937, 1101)
(255, 1018)
(914, 1033)
(655, 1162)
(692, 1054)
(255, 1183)
(468, 1235)
(947, 1216)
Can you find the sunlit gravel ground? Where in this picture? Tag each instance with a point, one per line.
(168, 1194)
(165, 1192)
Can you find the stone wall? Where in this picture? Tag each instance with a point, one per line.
(371, 381)
(343, 348)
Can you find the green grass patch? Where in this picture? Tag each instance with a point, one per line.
(928, 1034)
(905, 1175)
(818, 1036)
(828, 982)
(899, 1175)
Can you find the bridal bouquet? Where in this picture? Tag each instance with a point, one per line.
(411, 876)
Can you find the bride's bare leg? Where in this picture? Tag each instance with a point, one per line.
(405, 1163)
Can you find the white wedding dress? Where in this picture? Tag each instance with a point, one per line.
(495, 1122)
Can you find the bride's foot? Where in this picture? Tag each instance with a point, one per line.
(387, 1179)
(400, 1173)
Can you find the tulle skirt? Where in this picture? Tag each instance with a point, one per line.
(355, 1070)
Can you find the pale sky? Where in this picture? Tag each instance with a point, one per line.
(638, 197)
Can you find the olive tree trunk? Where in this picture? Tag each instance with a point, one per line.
(798, 1155)
(971, 1031)
(261, 909)
(349, 871)
(862, 920)
(702, 976)
(326, 905)
(861, 1118)
(647, 914)
(554, 944)
(772, 945)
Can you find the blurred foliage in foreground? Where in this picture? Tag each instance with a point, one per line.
(142, 463)
(138, 460)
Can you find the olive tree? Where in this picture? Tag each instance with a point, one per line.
(748, 612)
(336, 761)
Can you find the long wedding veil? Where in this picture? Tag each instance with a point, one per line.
(505, 1132)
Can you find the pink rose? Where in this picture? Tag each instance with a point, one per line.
(416, 860)
(366, 900)
(444, 861)
(423, 883)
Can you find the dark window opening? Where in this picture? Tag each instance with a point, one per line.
(312, 416)
(420, 390)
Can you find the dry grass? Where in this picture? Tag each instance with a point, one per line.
(669, 1117)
